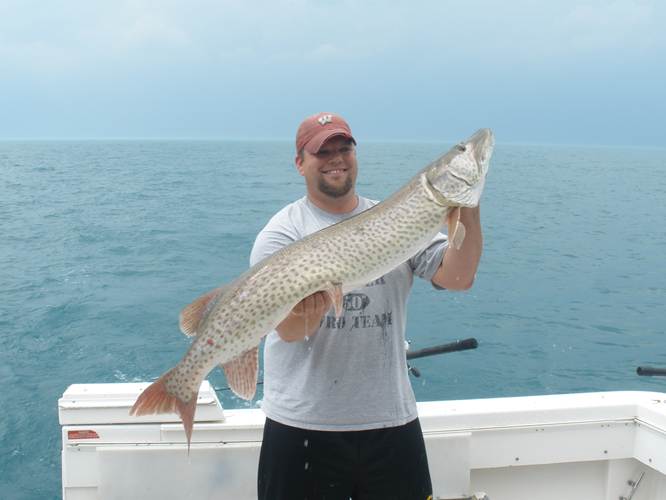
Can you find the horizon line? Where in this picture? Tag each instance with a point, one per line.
(368, 141)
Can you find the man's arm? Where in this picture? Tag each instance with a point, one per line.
(458, 267)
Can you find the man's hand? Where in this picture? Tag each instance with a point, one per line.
(304, 318)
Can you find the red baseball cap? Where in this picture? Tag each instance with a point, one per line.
(315, 130)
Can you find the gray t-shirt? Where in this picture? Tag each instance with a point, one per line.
(352, 373)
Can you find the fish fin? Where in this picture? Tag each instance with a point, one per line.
(156, 398)
(458, 235)
(336, 295)
(456, 229)
(241, 373)
(191, 315)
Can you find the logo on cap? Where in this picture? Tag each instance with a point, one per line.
(324, 119)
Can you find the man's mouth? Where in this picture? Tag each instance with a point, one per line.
(334, 171)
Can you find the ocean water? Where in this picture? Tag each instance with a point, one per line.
(104, 242)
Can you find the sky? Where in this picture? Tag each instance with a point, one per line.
(554, 72)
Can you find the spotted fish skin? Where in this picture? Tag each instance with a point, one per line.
(230, 322)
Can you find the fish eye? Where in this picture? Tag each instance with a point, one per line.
(461, 147)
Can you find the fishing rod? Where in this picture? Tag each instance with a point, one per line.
(649, 371)
(458, 345)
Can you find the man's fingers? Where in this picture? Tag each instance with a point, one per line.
(323, 302)
(317, 303)
(320, 301)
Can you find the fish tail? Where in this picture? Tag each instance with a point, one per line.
(158, 398)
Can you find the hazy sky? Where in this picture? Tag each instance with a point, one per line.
(582, 72)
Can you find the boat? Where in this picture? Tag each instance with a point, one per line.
(586, 446)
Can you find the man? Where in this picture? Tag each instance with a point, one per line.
(341, 414)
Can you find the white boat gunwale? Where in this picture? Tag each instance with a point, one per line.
(472, 444)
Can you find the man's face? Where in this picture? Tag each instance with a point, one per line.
(332, 171)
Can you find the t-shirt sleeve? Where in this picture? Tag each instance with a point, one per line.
(425, 263)
(277, 234)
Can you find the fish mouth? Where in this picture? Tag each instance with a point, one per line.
(482, 144)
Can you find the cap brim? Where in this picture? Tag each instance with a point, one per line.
(314, 145)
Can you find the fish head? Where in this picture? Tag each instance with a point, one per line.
(459, 175)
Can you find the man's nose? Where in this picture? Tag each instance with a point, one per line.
(337, 155)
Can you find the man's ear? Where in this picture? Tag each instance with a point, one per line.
(298, 161)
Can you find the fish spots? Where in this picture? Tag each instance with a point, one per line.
(349, 253)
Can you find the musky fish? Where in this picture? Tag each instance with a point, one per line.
(229, 322)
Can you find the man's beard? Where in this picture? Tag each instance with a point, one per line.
(335, 192)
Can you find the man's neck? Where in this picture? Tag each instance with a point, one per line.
(342, 205)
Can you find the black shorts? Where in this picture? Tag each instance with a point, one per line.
(300, 464)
